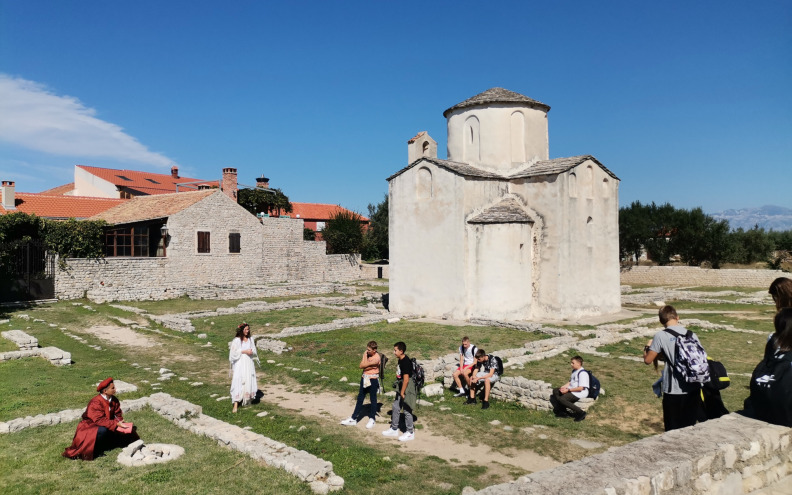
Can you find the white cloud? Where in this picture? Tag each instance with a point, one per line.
(33, 117)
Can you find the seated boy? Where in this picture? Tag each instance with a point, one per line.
(467, 357)
(485, 372)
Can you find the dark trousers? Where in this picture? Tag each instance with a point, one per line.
(562, 402)
(372, 391)
(681, 410)
(108, 440)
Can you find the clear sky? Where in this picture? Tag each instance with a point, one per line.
(686, 102)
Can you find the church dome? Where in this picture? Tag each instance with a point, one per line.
(497, 95)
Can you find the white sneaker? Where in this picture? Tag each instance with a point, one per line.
(407, 437)
(390, 432)
(370, 423)
(461, 393)
(349, 422)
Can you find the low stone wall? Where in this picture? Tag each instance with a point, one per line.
(29, 348)
(372, 271)
(729, 455)
(695, 276)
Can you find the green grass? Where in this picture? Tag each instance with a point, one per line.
(31, 459)
(223, 327)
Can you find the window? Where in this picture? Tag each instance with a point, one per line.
(203, 242)
(234, 245)
(129, 241)
(124, 178)
(152, 181)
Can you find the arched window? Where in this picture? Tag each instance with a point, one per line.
(470, 148)
(424, 186)
(517, 126)
(573, 185)
(605, 188)
(425, 149)
(590, 181)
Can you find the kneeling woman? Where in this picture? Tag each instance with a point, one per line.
(102, 426)
(243, 371)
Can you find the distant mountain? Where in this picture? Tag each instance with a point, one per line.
(769, 217)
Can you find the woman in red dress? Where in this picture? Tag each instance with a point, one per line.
(102, 425)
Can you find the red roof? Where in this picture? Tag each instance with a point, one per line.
(56, 207)
(146, 182)
(317, 211)
(65, 188)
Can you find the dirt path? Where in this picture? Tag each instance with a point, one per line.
(334, 408)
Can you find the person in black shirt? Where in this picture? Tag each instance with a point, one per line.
(485, 372)
(406, 395)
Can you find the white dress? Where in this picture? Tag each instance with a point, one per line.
(243, 369)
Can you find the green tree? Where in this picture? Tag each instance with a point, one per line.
(343, 233)
(257, 200)
(375, 240)
(309, 234)
(697, 237)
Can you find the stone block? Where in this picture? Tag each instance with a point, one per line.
(433, 390)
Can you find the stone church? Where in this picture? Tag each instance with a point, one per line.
(499, 230)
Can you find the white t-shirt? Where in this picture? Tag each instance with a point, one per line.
(469, 354)
(579, 378)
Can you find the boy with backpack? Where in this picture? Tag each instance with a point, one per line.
(686, 369)
(406, 395)
(486, 372)
(467, 358)
(576, 388)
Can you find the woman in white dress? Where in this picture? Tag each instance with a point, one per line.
(243, 370)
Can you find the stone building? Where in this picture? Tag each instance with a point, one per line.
(499, 230)
(160, 246)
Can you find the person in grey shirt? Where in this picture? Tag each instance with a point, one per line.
(682, 404)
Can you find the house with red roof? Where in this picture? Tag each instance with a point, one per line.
(316, 215)
(52, 206)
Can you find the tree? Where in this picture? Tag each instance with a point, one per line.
(343, 233)
(257, 200)
(309, 234)
(375, 240)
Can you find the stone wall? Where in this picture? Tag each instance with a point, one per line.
(695, 276)
(729, 455)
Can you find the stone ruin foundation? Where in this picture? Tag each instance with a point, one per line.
(140, 454)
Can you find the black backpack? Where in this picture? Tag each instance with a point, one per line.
(418, 374)
(719, 379)
(383, 362)
(594, 385)
(771, 390)
(498, 365)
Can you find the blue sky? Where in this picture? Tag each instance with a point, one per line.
(687, 102)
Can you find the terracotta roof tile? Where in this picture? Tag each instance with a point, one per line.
(143, 208)
(61, 207)
(60, 189)
(318, 211)
(145, 182)
(497, 95)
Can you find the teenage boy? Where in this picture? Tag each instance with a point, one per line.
(576, 388)
(485, 372)
(406, 395)
(369, 383)
(467, 357)
(681, 400)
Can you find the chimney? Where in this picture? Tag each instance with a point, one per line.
(9, 198)
(262, 182)
(229, 183)
(175, 172)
